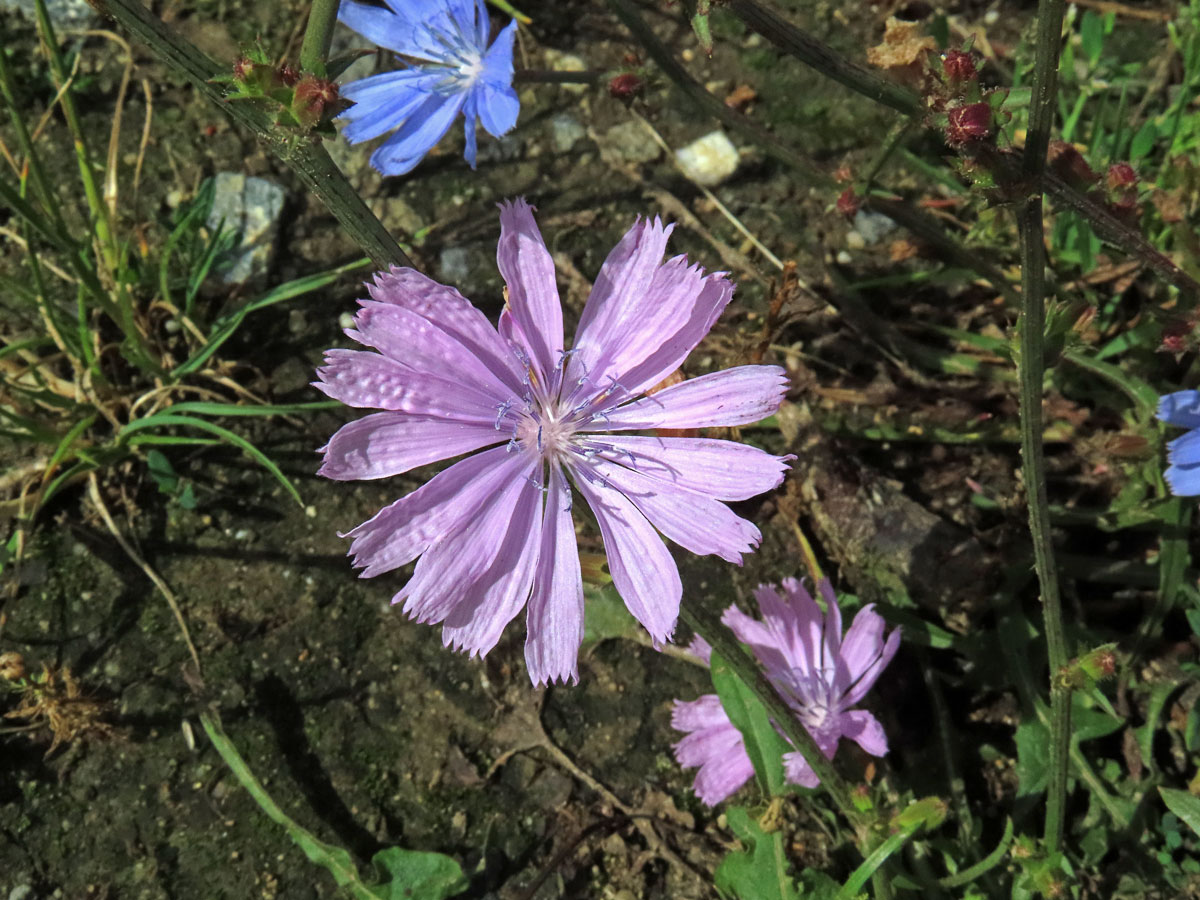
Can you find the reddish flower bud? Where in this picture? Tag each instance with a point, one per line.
(625, 86)
(958, 67)
(1174, 337)
(314, 99)
(288, 75)
(1121, 175)
(972, 122)
(848, 203)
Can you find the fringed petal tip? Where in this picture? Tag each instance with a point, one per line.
(1184, 481)
(1180, 408)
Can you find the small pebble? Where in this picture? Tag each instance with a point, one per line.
(709, 160)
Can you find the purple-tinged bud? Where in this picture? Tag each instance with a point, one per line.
(1121, 175)
(958, 67)
(625, 86)
(849, 203)
(242, 67)
(967, 124)
(288, 75)
(314, 99)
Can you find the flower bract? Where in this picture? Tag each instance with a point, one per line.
(819, 673)
(493, 533)
(451, 70)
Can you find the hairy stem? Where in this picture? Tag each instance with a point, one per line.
(300, 151)
(1031, 371)
(318, 35)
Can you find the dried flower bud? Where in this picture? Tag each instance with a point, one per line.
(242, 67)
(625, 86)
(969, 123)
(12, 666)
(848, 203)
(958, 68)
(288, 75)
(1121, 175)
(1069, 164)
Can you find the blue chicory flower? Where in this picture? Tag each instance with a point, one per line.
(1182, 408)
(451, 69)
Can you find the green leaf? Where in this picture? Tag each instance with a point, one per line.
(1143, 141)
(1033, 757)
(764, 745)
(607, 616)
(1186, 806)
(166, 419)
(1091, 34)
(417, 875)
(761, 871)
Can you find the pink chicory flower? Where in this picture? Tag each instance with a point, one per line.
(493, 533)
(820, 675)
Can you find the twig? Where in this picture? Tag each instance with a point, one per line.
(94, 496)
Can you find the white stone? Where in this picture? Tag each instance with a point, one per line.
(708, 160)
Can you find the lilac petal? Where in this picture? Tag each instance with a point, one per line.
(723, 470)
(454, 570)
(452, 313)
(714, 745)
(761, 641)
(701, 649)
(528, 271)
(1185, 450)
(620, 292)
(832, 645)
(399, 533)
(791, 628)
(369, 380)
(383, 102)
(854, 656)
(702, 713)
(643, 571)
(554, 620)
(1181, 408)
(693, 521)
(421, 346)
(864, 729)
(1184, 481)
(807, 634)
(385, 444)
(498, 102)
(400, 153)
(388, 28)
(797, 771)
(667, 342)
(494, 599)
(735, 396)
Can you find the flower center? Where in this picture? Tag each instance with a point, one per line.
(545, 432)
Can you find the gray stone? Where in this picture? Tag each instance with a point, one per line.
(632, 142)
(455, 265)
(566, 132)
(873, 226)
(250, 206)
(66, 14)
(503, 149)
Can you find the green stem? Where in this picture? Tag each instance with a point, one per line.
(318, 35)
(744, 666)
(83, 157)
(304, 155)
(1031, 372)
(787, 37)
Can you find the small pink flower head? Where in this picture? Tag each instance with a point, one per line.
(958, 67)
(493, 533)
(969, 123)
(820, 673)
